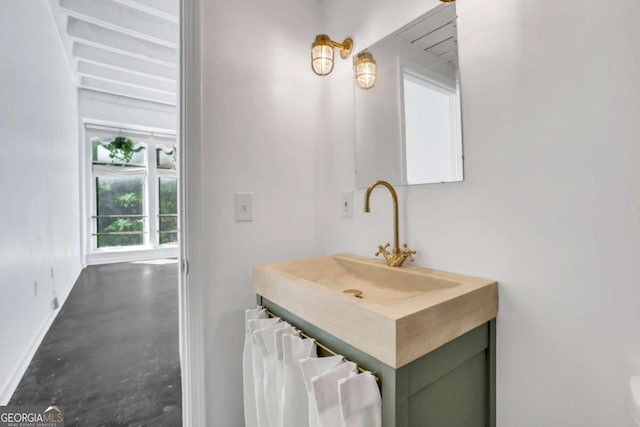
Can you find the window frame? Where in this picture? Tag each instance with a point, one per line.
(150, 140)
(164, 173)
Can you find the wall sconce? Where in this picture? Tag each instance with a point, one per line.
(365, 70)
(322, 53)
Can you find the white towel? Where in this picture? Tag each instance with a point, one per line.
(257, 368)
(311, 368)
(279, 337)
(294, 409)
(280, 367)
(247, 367)
(325, 392)
(360, 401)
(259, 374)
(271, 390)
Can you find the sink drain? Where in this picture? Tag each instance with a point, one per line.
(355, 292)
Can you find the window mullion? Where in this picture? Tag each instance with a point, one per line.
(152, 196)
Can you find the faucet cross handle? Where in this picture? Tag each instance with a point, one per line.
(408, 253)
(382, 249)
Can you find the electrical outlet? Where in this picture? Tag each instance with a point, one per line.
(35, 288)
(347, 204)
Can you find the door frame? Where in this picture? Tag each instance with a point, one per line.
(192, 343)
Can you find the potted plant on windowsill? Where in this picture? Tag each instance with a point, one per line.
(120, 149)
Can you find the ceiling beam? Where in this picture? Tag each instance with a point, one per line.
(166, 9)
(123, 43)
(117, 16)
(114, 88)
(124, 77)
(128, 63)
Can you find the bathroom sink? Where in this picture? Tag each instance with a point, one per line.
(394, 314)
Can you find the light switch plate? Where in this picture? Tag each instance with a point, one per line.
(244, 207)
(347, 204)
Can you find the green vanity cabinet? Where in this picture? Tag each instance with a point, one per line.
(452, 386)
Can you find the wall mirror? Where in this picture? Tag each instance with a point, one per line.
(408, 127)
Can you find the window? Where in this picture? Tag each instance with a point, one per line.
(133, 196)
(120, 217)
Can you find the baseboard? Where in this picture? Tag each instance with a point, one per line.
(109, 257)
(10, 387)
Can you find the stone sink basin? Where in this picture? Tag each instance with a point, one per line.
(403, 313)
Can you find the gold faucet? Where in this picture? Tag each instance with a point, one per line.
(397, 257)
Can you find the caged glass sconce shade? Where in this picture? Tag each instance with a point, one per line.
(322, 53)
(365, 70)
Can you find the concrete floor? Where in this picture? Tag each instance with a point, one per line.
(111, 356)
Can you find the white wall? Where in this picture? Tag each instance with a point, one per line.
(104, 107)
(550, 203)
(39, 178)
(261, 133)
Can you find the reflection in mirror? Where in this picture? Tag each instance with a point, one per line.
(408, 125)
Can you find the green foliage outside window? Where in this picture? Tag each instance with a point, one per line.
(168, 196)
(120, 210)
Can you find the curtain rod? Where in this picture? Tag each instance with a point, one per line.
(324, 347)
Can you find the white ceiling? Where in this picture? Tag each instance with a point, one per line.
(122, 47)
